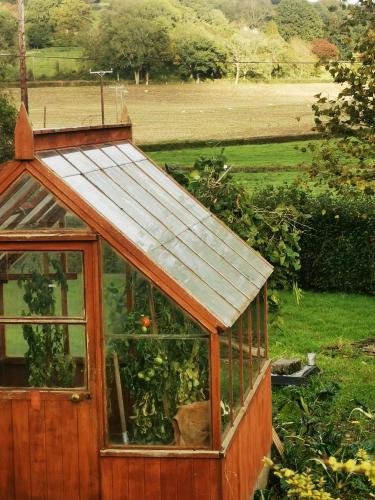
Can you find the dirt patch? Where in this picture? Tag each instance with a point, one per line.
(182, 112)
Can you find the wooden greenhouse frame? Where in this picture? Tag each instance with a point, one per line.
(56, 439)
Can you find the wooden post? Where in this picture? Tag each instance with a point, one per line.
(22, 54)
(265, 321)
(258, 329)
(215, 390)
(240, 338)
(2, 327)
(151, 303)
(120, 399)
(250, 343)
(230, 375)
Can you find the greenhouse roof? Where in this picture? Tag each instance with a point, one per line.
(165, 222)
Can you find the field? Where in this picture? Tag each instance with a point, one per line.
(52, 61)
(181, 112)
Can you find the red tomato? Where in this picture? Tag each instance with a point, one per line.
(146, 321)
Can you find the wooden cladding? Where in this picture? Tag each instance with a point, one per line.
(48, 450)
(232, 475)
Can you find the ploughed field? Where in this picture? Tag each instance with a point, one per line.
(181, 111)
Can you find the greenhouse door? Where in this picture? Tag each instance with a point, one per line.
(48, 387)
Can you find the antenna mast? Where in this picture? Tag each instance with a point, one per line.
(22, 53)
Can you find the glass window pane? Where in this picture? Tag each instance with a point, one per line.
(98, 157)
(226, 389)
(131, 151)
(27, 205)
(116, 155)
(157, 362)
(43, 355)
(41, 284)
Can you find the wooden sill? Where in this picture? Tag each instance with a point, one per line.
(159, 453)
(48, 235)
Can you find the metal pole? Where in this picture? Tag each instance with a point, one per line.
(22, 53)
(101, 75)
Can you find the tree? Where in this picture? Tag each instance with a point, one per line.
(347, 156)
(298, 19)
(8, 29)
(39, 25)
(70, 18)
(135, 36)
(324, 50)
(198, 54)
(8, 117)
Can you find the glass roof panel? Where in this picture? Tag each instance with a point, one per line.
(116, 155)
(173, 189)
(114, 214)
(57, 163)
(27, 205)
(130, 205)
(98, 157)
(239, 246)
(212, 257)
(196, 287)
(205, 272)
(169, 202)
(238, 262)
(131, 152)
(141, 197)
(80, 161)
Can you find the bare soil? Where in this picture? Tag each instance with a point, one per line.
(180, 112)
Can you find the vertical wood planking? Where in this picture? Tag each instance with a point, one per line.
(107, 486)
(70, 453)
(38, 453)
(88, 451)
(168, 478)
(120, 479)
(215, 480)
(21, 448)
(201, 473)
(6, 447)
(136, 478)
(252, 441)
(52, 418)
(184, 471)
(152, 479)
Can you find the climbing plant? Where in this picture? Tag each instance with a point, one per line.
(47, 363)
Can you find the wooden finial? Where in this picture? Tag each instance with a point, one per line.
(23, 136)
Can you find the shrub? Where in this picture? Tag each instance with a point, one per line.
(324, 50)
(338, 253)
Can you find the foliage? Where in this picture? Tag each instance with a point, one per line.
(198, 54)
(348, 122)
(274, 233)
(339, 252)
(135, 36)
(298, 18)
(59, 22)
(8, 29)
(318, 451)
(8, 117)
(304, 485)
(48, 364)
(324, 50)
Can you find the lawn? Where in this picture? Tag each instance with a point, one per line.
(327, 323)
(254, 156)
(49, 62)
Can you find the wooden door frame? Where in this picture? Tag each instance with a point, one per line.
(88, 248)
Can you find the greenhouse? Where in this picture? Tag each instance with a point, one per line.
(133, 329)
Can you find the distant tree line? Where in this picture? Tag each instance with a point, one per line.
(189, 39)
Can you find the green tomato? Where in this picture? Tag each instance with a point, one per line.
(151, 372)
(141, 375)
(144, 329)
(158, 360)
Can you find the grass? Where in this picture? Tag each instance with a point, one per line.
(256, 156)
(48, 62)
(321, 321)
(183, 112)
